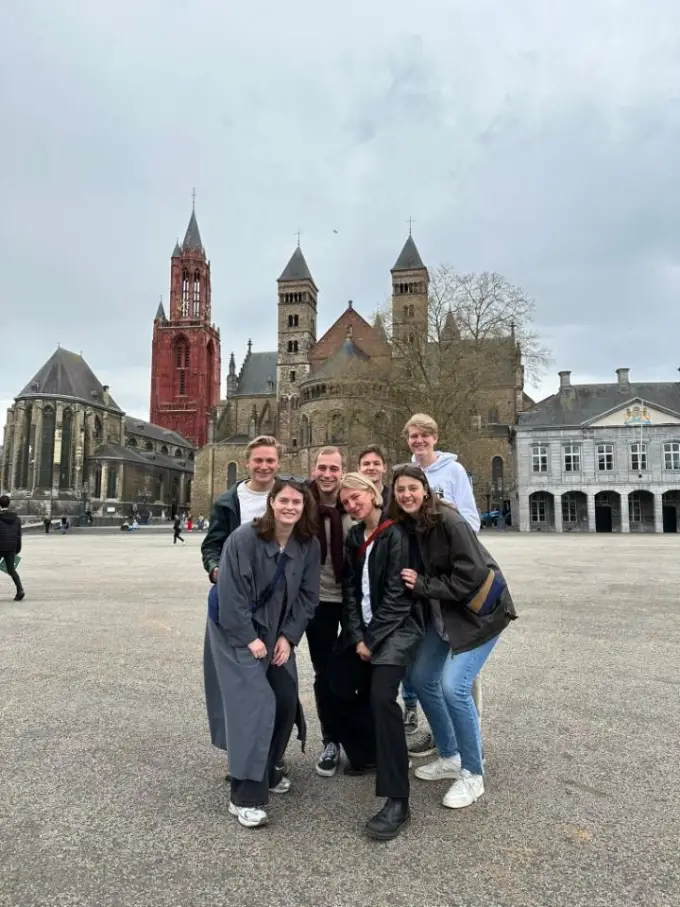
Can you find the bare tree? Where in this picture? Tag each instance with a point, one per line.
(487, 306)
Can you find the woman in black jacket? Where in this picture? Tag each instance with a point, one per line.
(470, 605)
(382, 626)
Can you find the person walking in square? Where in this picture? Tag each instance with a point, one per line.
(10, 543)
(382, 629)
(469, 607)
(177, 530)
(267, 592)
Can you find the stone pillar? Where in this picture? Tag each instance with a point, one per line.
(557, 509)
(523, 517)
(658, 511)
(120, 482)
(625, 515)
(37, 444)
(591, 512)
(17, 443)
(78, 425)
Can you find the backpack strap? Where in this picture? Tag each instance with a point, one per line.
(373, 536)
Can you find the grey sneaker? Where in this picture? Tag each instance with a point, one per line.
(421, 746)
(410, 719)
(327, 765)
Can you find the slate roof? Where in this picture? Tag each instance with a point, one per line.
(297, 268)
(140, 458)
(409, 257)
(160, 313)
(236, 439)
(155, 432)
(66, 374)
(176, 252)
(192, 238)
(256, 369)
(584, 402)
(348, 354)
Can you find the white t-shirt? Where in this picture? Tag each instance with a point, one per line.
(252, 503)
(366, 610)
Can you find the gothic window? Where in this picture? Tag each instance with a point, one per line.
(164, 450)
(305, 432)
(66, 449)
(22, 465)
(232, 470)
(497, 471)
(182, 364)
(184, 307)
(178, 453)
(47, 448)
(98, 481)
(132, 442)
(112, 482)
(148, 446)
(197, 293)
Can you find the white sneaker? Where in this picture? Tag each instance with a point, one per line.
(249, 816)
(282, 787)
(439, 769)
(465, 791)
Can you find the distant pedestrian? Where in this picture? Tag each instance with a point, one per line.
(47, 521)
(10, 543)
(177, 530)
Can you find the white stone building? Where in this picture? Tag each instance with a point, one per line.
(600, 458)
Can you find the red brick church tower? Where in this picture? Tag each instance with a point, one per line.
(185, 357)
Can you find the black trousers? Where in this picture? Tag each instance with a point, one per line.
(256, 793)
(370, 720)
(322, 635)
(177, 535)
(11, 572)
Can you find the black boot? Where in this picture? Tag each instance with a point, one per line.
(387, 823)
(20, 596)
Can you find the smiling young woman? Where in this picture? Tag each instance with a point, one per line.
(382, 626)
(267, 591)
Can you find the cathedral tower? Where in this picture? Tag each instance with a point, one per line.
(296, 336)
(410, 286)
(185, 359)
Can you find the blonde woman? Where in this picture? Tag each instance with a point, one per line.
(382, 626)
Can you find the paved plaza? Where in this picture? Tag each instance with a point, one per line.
(110, 793)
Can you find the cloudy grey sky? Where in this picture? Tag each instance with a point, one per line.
(537, 139)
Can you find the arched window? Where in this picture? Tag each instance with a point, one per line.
(497, 470)
(197, 293)
(98, 481)
(22, 465)
(132, 442)
(181, 365)
(164, 449)
(178, 453)
(112, 482)
(148, 446)
(336, 434)
(232, 471)
(66, 449)
(184, 306)
(47, 448)
(305, 432)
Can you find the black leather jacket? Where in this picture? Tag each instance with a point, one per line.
(398, 623)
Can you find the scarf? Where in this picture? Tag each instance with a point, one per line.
(334, 514)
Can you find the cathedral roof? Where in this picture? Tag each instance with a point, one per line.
(66, 374)
(297, 268)
(192, 238)
(409, 257)
(349, 354)
(135, 426)
(257, 370)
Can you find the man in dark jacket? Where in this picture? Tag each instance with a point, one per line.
(10, 543)
(242, 502)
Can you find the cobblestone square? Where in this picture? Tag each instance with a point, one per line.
(110, 793)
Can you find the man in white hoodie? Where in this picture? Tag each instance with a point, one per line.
(450, 481)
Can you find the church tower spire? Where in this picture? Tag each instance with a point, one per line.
(185, 361)
(410, 286)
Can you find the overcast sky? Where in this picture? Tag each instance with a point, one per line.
(536, 139)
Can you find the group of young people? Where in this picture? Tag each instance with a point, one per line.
(395, 594)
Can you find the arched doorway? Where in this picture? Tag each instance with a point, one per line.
(575, 511)
(641, 511)
(608, 511)
(671, 510)
(542, 511)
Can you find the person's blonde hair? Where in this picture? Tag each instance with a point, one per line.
(422, 421)
(263, 441)
(356, 482)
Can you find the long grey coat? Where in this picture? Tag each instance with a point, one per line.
(247, 567)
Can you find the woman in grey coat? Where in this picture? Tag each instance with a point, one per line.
(267, 591)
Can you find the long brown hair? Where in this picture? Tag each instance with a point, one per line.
(306, 527)
(430, 511)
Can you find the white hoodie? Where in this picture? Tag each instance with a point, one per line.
(449, 480)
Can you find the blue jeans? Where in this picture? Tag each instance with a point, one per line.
(443, 683)
(408, 694)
